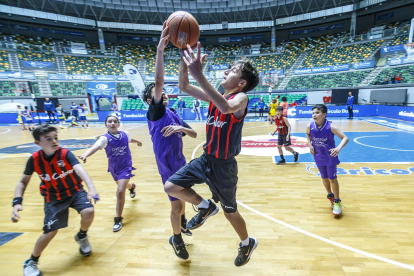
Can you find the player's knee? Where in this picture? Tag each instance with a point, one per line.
(231, 214)
(51, 235)
(279, 146)
(169, 187)
(87, 213)
(120, 192)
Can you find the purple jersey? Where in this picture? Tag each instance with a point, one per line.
(322, 141)
(168, 150)
(118, 153)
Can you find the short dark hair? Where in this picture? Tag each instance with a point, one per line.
(279, 108)
(321, 107)
(26, 107)
(42, 131)
(284, 99)
(248, 73)
(81, 104)
(147, 91)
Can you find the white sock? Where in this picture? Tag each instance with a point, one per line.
(203, 204)
(245, 242)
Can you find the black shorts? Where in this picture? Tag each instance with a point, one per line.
(281, 140)
(57, 211)
(220, 175)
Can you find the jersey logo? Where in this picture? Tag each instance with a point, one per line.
(215, 122)
(61, 163)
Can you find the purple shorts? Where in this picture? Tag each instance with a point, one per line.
(164, 179)
(327, 171)
(122, 174)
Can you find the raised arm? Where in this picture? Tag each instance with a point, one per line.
(159, 64)
(184, 83)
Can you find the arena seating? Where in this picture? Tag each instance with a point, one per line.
(402, 36)
(171, 67)
(68, 88)
(132, 104)
(189, 103)
(227, 50)
(407, 74)
(25, 42)
(328, 80)
(7, 88)
(92, 65)
(4, 61)
(254, 100)
(36, 56)
(35, 88)
(223, 60)
(124, 88)
(322, 55)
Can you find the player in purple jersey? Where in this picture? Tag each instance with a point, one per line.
(167, 129)
(320, 134)
(117, 150)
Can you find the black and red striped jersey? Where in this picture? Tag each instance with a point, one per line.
(224, 132)
(281, 126)
(59, 180)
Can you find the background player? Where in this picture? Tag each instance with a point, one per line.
(320, 134)
(75, 113)
(272, 111)
(167, 129)
(59, 193)
(283, 128)
(82, 114)
(29, 118)
(20, 118)
(116, 145)
(217, 166)
(61, 116)
(49, 107)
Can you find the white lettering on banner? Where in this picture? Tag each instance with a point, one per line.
(215, 123)
(55, 176)
(406, 114)
(133, 115)
(363, 171)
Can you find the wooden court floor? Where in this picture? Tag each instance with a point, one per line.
(378, 218)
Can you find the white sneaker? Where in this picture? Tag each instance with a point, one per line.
(337, 209)
(30, 268)
(117, 224)
(85, 247)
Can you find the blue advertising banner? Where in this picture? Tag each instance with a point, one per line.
(306, 31)
(247, 37)
(28, 76)
(11, 118)
(336, 26)
(396, 112)
(137, 115)
(38, 64)
(101, 94)
(385, 16)
(104, 77)
(15, 75)
(171, 90)
(122, 78)
(273, 39)
(190, 114)
(237, 38)
(333, 111)
(136, 38)
(280, 72)
(20, 27)
(67, 33)
(296, 32)
(401, 60)
(219, 67)
(40, 30)
(151, 39)
(333, 68)
(170, 78)
(361, 65)
(202, 39)
(391, 49)
(83, 77)
(323, 28)
(60, 77)
(258, 36)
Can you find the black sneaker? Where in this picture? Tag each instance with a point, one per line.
(203, 215)
(281, 162)
(184, 229)
(245, 252)
(117, 224)
(179, 249)
(296, 155)
(132, 190)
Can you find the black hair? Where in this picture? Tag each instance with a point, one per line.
(248, 73)
(321, 107)
(18, 106)
(279, 108)
(147, 92)
(26, 107)
(284, 99)
(42, 131)
(81, 104)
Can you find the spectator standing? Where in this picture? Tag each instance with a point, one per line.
(114, 106)
(49, 107)
(261, 105)
(196, 107)
(350, 105)
(181, 106)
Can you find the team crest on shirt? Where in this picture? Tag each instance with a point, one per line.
(61, 164)
(266, 145)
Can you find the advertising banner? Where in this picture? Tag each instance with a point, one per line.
(333, 111)
(28, 76)
(333, 68)
(223, 39)
(122, 78)
(237, 38)
(405, 113)
(323, 28)
(102, 94)
(137, 115)
(385, 16)
(190, 114)
(105, 77)
(136, 38)
(219, 67)
(401, 60)
(11, 118)
(68, 33)
(20, 27)
(391, 49)
(41, 30)
(60, 77)
(361, 65)
(280, 72)
(38, 64)
(83, 77)
(171, 90)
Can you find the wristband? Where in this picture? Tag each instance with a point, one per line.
(17, 200)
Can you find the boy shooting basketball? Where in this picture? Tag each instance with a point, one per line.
(61, 178)
(283, 128)
(320, 134)
(217, 166)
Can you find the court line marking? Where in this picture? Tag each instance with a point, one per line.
(355, 140)
(383, 125)
(327, 240)
(5, 131)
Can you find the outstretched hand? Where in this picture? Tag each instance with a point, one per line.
(193, 62)
(171, 129)
(165, 36)
(83, 158)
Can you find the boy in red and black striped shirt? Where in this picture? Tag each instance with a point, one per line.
(61, 176)
(283, 128)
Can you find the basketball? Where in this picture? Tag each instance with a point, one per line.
(184, 29)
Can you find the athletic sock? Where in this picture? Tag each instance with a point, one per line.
(183, 221)
(281, 157)
(82, 234)
(36, 259)
(245, 242)
(331, 195)
(87, 125)
(178, 238)
(203, 204)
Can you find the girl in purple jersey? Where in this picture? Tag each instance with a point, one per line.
(115, 143)
(167, 130)
(320, 134)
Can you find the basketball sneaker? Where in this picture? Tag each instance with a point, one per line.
(296, 155)
(30, 268)
(337, 209)
(179, 249)
(331, 198)
(281, 162)
(117, 224)
(85, 247)
(132, 190)
(245, 252)
(184, 228)
(203, 215)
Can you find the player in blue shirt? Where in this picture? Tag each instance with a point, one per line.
(350, 105)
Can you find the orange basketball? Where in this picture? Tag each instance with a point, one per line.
(184, 29)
